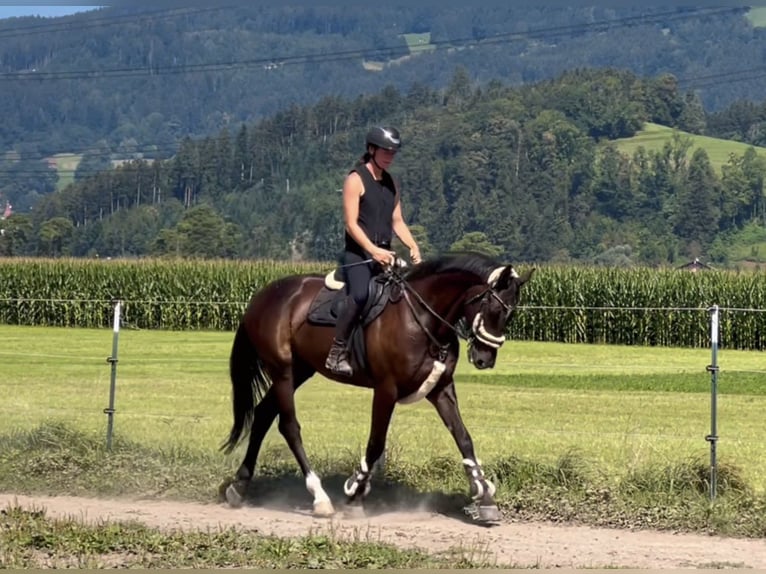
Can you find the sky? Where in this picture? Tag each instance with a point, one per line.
(33, 10)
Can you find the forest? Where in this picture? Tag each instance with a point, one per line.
(508, 115)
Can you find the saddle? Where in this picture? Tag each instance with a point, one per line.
(330, 301)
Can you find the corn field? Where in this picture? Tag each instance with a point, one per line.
(662, 307)
(156, 294)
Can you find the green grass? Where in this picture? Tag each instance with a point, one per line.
(748, 245)
(66, 165)
(654, 136)
(58, 459)
(419, 42)
(621, 408)
(757, 16)
(416, 43)
(29, 539)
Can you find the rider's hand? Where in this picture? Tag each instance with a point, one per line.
(383, 256)
(415, 255)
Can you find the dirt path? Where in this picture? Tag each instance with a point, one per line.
(516, 544)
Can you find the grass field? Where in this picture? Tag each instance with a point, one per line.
(757, 16)
(419, 42)
(66, 165)
(654, 136)
(620, 408)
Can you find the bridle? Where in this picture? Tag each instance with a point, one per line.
(477, 331)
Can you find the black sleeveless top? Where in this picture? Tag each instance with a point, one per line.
(376, 210)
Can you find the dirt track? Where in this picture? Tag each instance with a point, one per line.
(516, 544)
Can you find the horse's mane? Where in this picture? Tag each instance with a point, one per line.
(479, 264)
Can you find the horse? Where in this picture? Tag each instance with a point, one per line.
(405, 348)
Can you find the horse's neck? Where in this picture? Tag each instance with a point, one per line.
(445, 293)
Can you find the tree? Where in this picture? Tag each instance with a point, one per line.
(15, 232)
(202, 231)
(698, 202)
(55, 235)
(476, 241)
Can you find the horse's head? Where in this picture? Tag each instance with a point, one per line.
(472, 287)
(487, 311)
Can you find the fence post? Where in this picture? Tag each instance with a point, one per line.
(112, 360)
(713, 369)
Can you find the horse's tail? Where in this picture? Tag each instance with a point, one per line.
(249, 382)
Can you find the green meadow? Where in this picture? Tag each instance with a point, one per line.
(66, 165)
(419, 42)
(620, 408)
(654, 137)
(757, 16)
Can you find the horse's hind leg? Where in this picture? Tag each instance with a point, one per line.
(284, 391)
(357, 487)
(263, 416)
(482, 490)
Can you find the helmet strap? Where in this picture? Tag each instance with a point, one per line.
(374, 161)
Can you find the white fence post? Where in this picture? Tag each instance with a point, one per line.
(109, 411)
(713, 369)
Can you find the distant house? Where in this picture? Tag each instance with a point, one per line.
(695, 266)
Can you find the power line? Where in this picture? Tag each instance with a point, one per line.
(336, 56)
(275, 62)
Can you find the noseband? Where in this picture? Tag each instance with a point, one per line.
(477, 331)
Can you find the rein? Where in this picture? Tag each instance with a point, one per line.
(477, 330)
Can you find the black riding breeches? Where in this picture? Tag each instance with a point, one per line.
(358, 275)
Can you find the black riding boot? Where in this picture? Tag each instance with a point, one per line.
(337, 359)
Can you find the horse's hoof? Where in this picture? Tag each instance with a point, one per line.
(483, 514)
(323, 509)
(489, 514)
(354, 511)
(233, 496)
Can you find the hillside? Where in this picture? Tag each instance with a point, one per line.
(245, 117)
(113, 75)
(653, 137)
(519, 172)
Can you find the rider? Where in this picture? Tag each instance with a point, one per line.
(372, 213)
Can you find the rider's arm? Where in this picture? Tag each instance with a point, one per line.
(400, 227)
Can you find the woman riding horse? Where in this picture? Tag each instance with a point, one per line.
(372, 213)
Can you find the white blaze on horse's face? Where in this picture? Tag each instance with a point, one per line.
(494, 341)
(483, 356)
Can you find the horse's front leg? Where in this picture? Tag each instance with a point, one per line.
(483, 508)
(357, 487)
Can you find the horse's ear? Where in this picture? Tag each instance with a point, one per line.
(526, 276)
(503, 276)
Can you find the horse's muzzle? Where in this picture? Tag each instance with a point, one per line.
(484, 364)
(482, 358)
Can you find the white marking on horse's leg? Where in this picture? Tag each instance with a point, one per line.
(322, 503)
(427, 385)
(352, 484)
(477, 475)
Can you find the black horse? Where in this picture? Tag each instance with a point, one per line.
(405, 349)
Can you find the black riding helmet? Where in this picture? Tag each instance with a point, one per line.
(384, 138)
